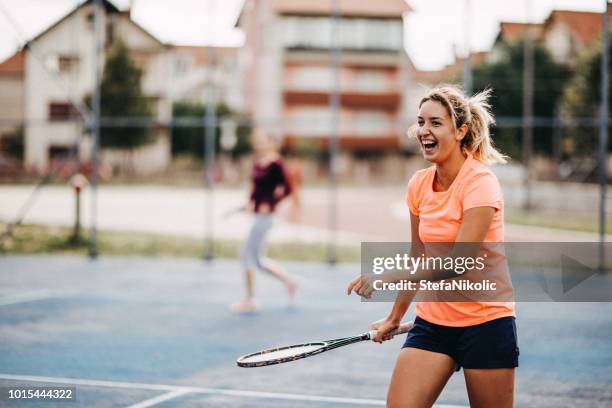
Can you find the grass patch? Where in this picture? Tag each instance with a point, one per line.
(37, 239)
(557, 220)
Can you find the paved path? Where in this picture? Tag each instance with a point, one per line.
(365, 214)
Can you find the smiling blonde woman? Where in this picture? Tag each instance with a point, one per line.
(457, 199)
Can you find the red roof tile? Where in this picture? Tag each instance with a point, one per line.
(14, 65)
(585, 26)
(512, 32)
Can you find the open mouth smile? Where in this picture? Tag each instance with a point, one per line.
(429, 145)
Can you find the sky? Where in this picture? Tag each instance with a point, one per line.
(434, 30)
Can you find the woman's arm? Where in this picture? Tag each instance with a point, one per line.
(475, 225)
(404, 298)
(283, 183)
(472, 232)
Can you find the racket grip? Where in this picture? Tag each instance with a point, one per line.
(403, 328)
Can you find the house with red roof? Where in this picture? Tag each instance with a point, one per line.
(44, 81)
(564, 33)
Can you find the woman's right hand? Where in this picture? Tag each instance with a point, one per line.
(383, 327)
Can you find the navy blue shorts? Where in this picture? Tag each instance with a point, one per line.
(492, 344)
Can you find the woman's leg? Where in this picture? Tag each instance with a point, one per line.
(275, 270)
(490, 354)
(490, 387)
(267, 264)
(249, 277)
(418, 378)
(248, 257)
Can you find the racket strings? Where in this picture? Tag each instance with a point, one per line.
(282, 353)
(296, 352)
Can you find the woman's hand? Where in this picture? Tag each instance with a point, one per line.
(280, 192)
(383, 327)
(362, 286)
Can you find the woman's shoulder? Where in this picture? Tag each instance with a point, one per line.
(478, 169)
(421, 175)
(479, 174)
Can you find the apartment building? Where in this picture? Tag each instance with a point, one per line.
(288, 79)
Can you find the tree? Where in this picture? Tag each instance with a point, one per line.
(505, 77)
(190, 140)
(121, 96)
(582, 99)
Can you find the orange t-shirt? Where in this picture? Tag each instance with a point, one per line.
(440, 216)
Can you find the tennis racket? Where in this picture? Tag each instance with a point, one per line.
(296, 352)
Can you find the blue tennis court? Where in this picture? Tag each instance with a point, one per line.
(139, 332)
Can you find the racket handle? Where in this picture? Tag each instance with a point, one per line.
(403, 328)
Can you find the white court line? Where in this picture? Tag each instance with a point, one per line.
(32, 296)
(159, 399)
(201, 390)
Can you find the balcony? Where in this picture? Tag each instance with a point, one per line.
(346, 142)
(359, 87)
(389, 101)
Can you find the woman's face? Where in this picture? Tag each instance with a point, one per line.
(437, 135)
(263, 143)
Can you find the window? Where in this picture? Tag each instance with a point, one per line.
(354, 33)
(311, 122)
(182, 63)
(381, 34)
(61, 63)
(312, 78)
(66, 63)
(59, 111)
(370, 123)
(370, 81)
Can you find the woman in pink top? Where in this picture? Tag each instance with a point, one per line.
(457, 199)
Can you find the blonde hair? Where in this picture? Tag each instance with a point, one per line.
(475, 112)
(268, 135)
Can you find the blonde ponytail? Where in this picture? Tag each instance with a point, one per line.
(480, 142)
(475, 112)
